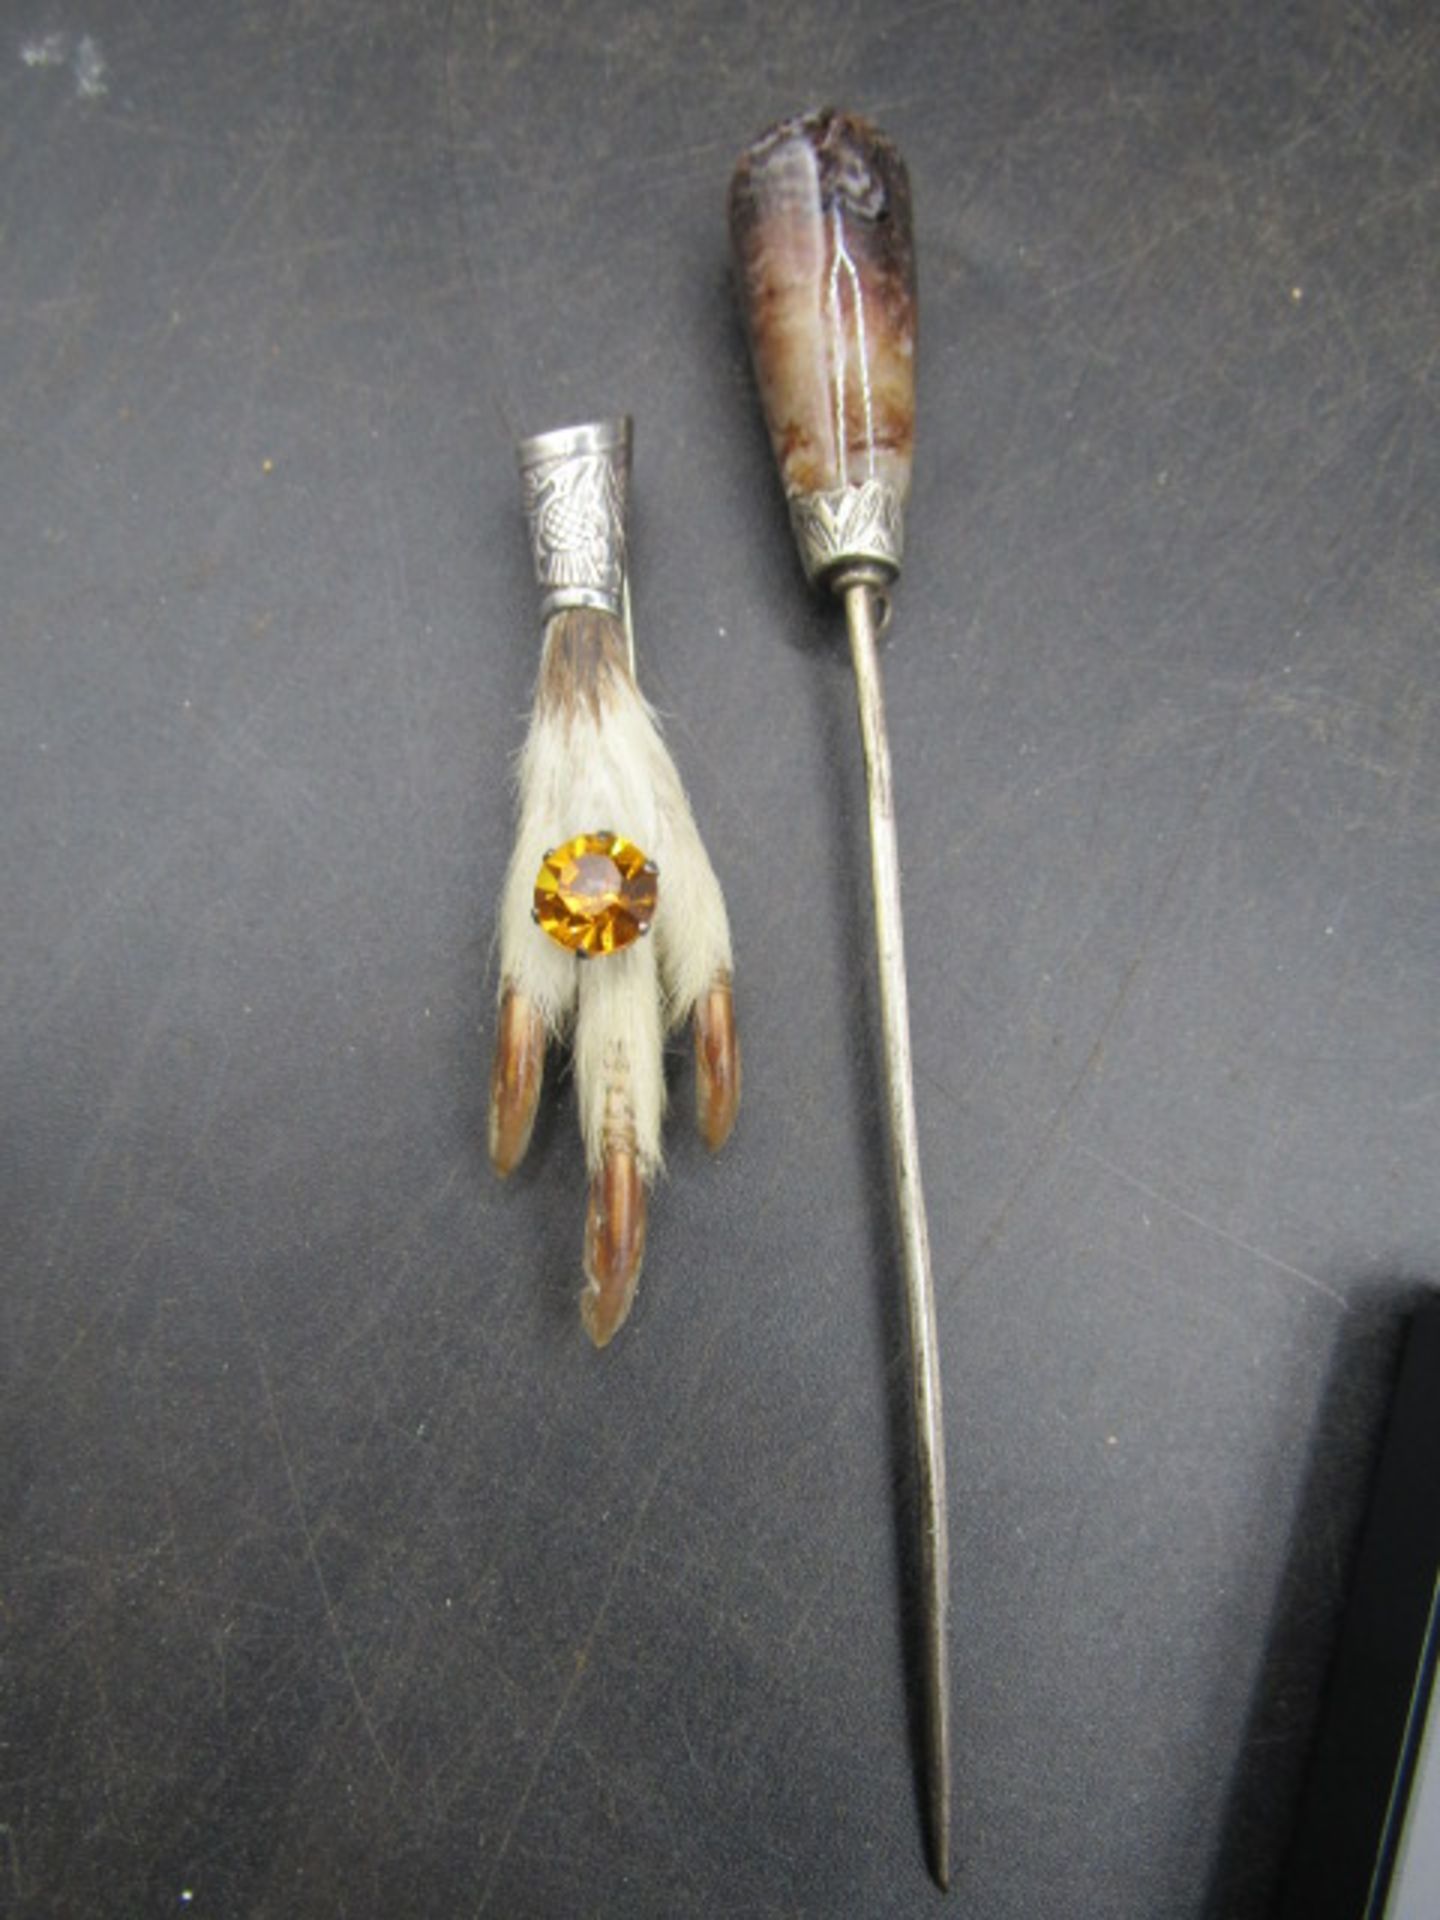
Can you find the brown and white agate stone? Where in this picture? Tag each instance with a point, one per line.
(820, 222)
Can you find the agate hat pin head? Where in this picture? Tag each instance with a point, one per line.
(820, 223)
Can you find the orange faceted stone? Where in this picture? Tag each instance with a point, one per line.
(596, 894)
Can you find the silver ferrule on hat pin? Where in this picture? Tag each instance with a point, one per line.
(840, 529)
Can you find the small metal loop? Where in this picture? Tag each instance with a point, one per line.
(877, 578)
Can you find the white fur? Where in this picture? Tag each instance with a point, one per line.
(614, 774)
(619, 1046)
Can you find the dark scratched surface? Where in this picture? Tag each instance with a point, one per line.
(337, 1575)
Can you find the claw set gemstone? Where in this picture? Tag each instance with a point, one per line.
(596, 894)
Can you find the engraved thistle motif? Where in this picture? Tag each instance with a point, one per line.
(575, 509)
(865, 522)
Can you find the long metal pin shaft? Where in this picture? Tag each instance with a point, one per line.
(862, 608)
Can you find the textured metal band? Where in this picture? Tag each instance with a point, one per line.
(558, 598)
(864, 523)
(575, 485)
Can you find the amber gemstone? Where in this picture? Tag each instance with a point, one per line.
(596, 894)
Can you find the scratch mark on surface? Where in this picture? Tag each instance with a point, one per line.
(582, 1658)
(805, 1613)
(1118, 1001)
(267, 181)
(494, 255)
(571, 1688)
(690, 1752)
(1310, 1280)
(12, 1849)
(331, 1619)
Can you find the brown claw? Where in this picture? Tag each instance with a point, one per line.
(717, 1063)
(515, 1078)
(614, 1244)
